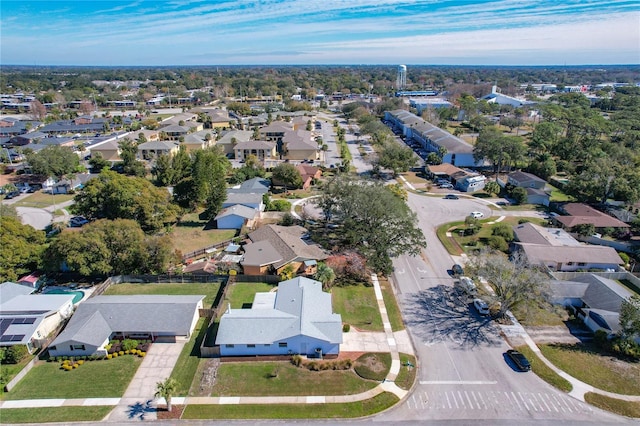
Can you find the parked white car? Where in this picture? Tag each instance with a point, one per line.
(476, 215)
(481, 306)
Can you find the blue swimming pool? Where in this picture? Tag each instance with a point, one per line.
(77, 294)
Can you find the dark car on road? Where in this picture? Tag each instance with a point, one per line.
(457, 269)
(521, 361)
(451, 197)
(78, 221)
(12, 194)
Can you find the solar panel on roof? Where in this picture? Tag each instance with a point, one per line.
(4, 324)
(29, 320)
(17, 337)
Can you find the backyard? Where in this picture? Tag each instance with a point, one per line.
(209, 290)
(241, 294)
(192, 233)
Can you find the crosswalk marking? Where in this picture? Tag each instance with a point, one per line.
(538, 402)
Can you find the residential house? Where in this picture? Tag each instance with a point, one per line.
(27, 138)
(10, 126)
(151, 150)
(594, 299)
(66, 186)
(27, 319)
(308, 173)
(109, 150)
(84, 124)
(300, 145)
(559, 251)
(102, 318)
(236, 216)
(194, 142)
(219, 118)
(464, 180)
(229, 139)
(296, 319)
(149, 135)
(257, 185)
(248, 199)
(275, 132)
(174, 131)
(275, 247)
(525, 180)
(263, 150)
(580, 214)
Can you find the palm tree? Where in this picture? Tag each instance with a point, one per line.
(166, 389)
(325, 275)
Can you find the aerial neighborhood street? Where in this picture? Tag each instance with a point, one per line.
(335, 213)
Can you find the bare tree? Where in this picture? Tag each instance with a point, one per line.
(86, 108)
(37, 110)
(513, 281)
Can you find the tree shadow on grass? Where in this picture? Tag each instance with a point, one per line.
(440, 314)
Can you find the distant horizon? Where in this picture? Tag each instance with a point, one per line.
(324, 65)
(146, 33)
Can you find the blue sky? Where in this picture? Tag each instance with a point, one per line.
(281, 32)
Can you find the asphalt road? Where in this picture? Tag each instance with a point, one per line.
(463, 373)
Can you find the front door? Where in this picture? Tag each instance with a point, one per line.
(303, 348)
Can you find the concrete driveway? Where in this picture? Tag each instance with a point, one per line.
(138, 402)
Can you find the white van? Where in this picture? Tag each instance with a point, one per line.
(465, 285)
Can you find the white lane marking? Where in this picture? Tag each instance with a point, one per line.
(457, 382)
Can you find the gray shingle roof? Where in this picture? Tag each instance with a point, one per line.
(300, 308)
(9, 290)
(142, 314)
(537, 254)
(237, 210)
(288, 242)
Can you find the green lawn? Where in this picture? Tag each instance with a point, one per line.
(240, 294)
(536, 314)
(93, 379)
(255, 379)
(187, 364)
(358, 306)
(407, 374)
(373, 366)
(190, 234)
(586, 363)
(54, 414)
(391, 303)
(9, 371)
(447, 242)
(544, 372)
(618, 406)
(557, 196)
(292, 411)
(42, 200)
(210, 290)
(485, 231)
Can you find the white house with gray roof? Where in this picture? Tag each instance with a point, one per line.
(27, 319)
(102, 318)
(296, 319)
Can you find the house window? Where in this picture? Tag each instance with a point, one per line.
(77, 347)
(582, 264)
(52, 348)
(266, 346)
(251, 346)
(282, 344)
(228, 346)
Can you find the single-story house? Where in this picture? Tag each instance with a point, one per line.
(27, 319)
(274, 247)
(594, 299)
(525, 180)
(256, 185)
(102, 318)
(249, 199)
(538, 196)
(579, 214)
(235, 217)
(109, 150)
(296, 319)
(559, 251)
(308, 173)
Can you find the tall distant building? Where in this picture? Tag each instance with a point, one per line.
(401, 80)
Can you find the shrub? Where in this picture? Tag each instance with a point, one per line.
(523, 220)
(15, 354)
(503, 230)
(109, 356)
(280, 206)
(296, 360)
(115, 354)
(129, 344)
(346, 328)
(67, 367)
(142, 354)
(120, 353)
(313, 366)
(498, 243)
(81, 362)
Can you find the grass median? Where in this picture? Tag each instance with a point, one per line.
(543, 371)
(293, 411)
(618, 406)
(54, 414)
